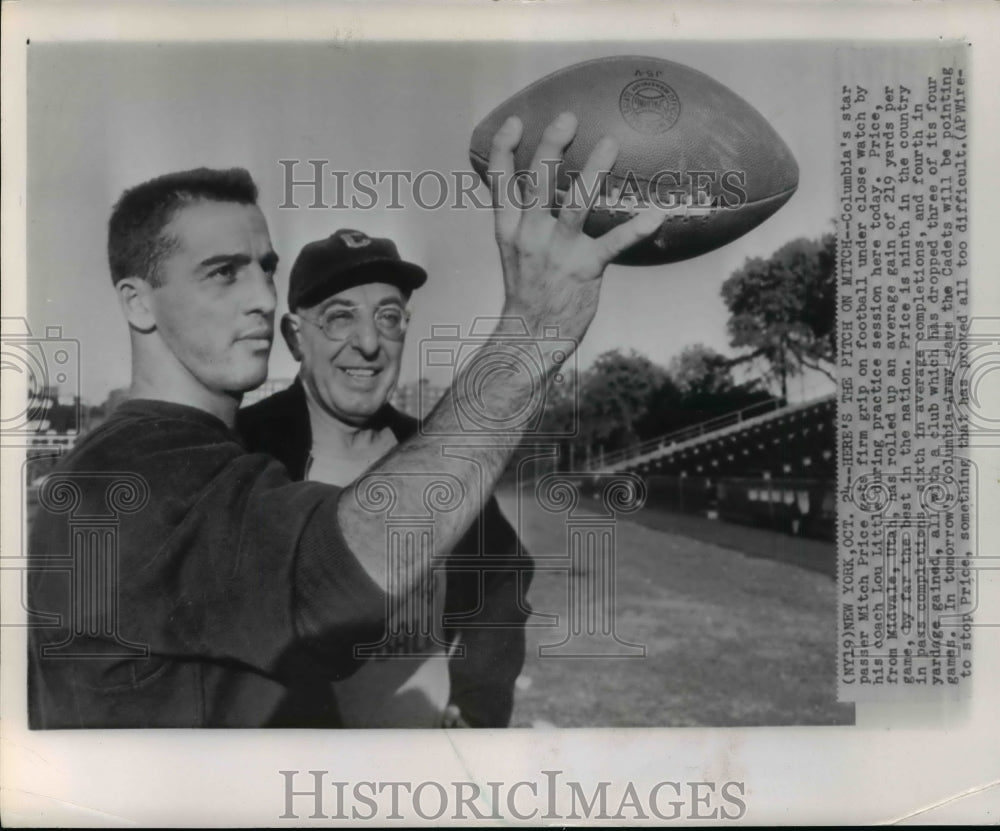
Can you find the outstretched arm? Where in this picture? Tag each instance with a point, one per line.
(552, 279)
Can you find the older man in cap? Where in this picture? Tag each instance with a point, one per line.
(347, 326)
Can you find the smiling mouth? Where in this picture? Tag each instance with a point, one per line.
(360, 372)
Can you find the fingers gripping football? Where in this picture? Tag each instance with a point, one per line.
(551, 267)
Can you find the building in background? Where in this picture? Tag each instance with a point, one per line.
(49, 430)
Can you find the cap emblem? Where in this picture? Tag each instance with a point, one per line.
(355, 239)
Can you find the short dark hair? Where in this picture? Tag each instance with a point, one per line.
(136, 243)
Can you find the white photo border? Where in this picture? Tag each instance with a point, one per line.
(907, 763)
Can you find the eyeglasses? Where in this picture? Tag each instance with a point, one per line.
(340, 322)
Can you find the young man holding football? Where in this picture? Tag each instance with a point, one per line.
(231, 595)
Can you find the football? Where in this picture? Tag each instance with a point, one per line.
(687, 145)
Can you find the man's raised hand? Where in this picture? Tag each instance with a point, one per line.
(551, 267)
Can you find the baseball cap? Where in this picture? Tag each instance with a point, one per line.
(345, 259)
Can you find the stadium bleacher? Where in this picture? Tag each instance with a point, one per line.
(766, 465)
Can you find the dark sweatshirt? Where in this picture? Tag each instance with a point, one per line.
(237, 598)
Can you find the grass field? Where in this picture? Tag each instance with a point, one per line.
(733, 638)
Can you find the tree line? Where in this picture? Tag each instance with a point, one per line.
(782, 322)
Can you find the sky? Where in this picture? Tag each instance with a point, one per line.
(104, 117)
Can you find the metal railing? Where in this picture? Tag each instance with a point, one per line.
(713, 425)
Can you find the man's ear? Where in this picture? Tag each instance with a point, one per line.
(135, 297)
(290, 332)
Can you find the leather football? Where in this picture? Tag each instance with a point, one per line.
(688, 145)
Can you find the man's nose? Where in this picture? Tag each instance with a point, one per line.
(261, 297)
(365, 336)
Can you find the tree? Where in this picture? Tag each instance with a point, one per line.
(624, 398)
(614, 397)
(784, 309)
(665, 411)
(700, 386)
(700, 370)
(599, 409)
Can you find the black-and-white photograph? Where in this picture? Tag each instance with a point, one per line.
(484, 393)
(383, 455)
